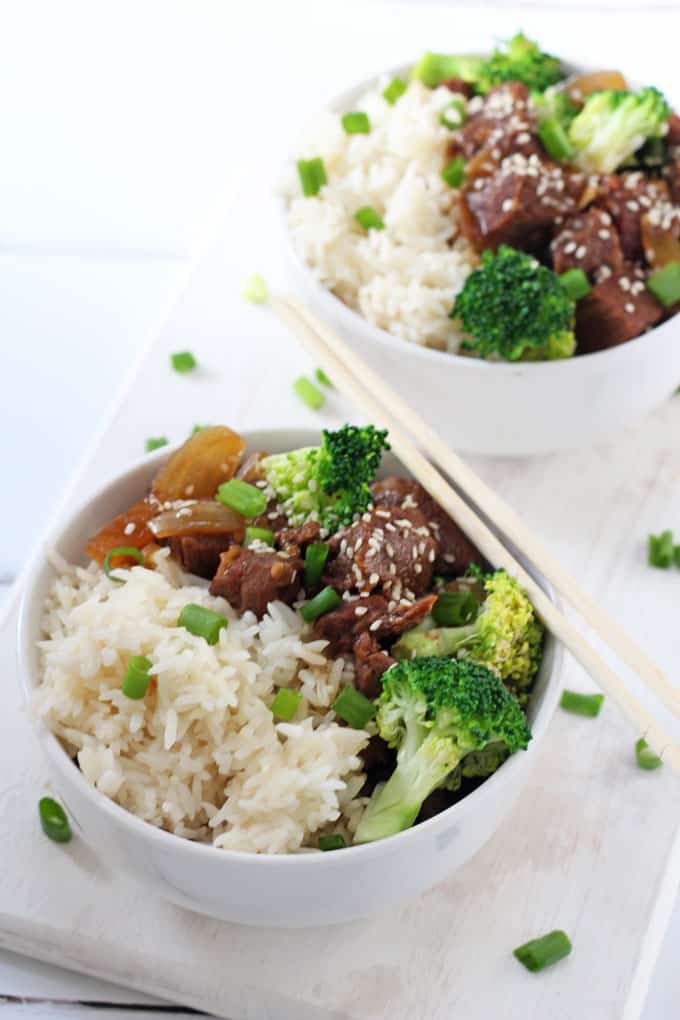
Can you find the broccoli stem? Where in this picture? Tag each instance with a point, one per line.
(442, 641)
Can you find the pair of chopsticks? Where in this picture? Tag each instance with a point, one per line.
(355, 380)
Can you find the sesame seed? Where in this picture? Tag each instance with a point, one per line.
(580, 251)
(629, 307)
(393, 568)
(129, 528)
(375, 625)
(189, 491)
(418, 567)
(403, 523)
(361, 610)
(624, 283)
(431, 556)
(391, 606)
(414, 550)
(604, 234)
(569, 247)
(390, 549)
(272, 515)
(422, 548)
(373, 579)
(383, 513)
(449, 558)
(366, 517)
(507, 205)
(633, 206)
(390, 527)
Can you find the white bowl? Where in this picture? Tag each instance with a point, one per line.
(274, 890)
(505, 409)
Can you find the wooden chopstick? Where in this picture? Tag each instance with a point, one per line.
(361, 389)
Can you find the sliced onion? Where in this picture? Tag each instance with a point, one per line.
(581, 85)
(207, 459)
(204, 517)
(251, 468)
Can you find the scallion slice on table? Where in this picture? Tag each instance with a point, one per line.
(582, 704)
(255, 289)
(202, 622)
(664, 284)
(242, 497)
(312, 175)
(454, 172)
(354, 707)
(316, 555)
(199, 428)
(543, 952)
(259, 535)
(660, 550)
(554, 139)
(394, 90)
(285, 704)
(455, 608)
(645, 757)
(183, 361)
(308, 393)
(356, 123)
(326, 600)
(131, 551)
(576, 283)
(368, 218)
(453, 115)
(332, 842)
(155, 443)
(323, 378)
(137, 677)
(53, 820)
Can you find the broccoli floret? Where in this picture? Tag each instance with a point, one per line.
(520, 59)
(329, 483)
(434, 712)
(506, 636)
(434, 68)
(514, 308)
(478, 765)
(553, 103)
(613, 124)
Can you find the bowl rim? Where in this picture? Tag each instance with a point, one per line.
(354, 320)
(29, 627)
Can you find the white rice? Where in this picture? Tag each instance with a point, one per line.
(201, 755)
(404, 278)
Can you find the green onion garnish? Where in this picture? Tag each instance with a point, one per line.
(394, 90)
(121, 550)
(326, 600)
(202, 622)
(53, 819)
(540, 953)
(660, 550)
(199, 428)
(356, 123)
(285, 704)
(576, 283)
(316, 555)
(137, 677)
(555, 139)
(354, 707)
(582, 704)
(434, 68)
(259, 535)
(645, 757)
(312, 174)
(242, 497)
(368, 218)
(323, 378)
(664, 284)
(155, 443)
(183, 361)
(308, 393)
(255, 289)
(453, 115)
(455, 608)
(332, 842)
(454, 172)
(676, 555)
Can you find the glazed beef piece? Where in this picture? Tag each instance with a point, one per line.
(626, 197)
(456, 552)
(373, 615)
(200, 554)
(379, 762)
(370, 662)
(587, 241)
(617, 309)
(464, 88)
(294, 539)
(272, 518)
(499, 123)
(389, 549)
(251, 580)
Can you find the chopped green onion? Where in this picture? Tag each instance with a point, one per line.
(183, 361)
(312, 175)
(354, 707)
(453, 115)
(368, 218)
(323, 378)
(332, 842)
(259, 535)
(121, 550)
(356, 123)
(316, 555)
(645, 757)
(155, 444)
(555, 139)
(137, 677)
(455, 608)
(454, 172)
(664, 284)
(199, 428)
(540, 953)
(53, 819)
(242, 497)
(582, 704)
(285, 704)
(255, 289)
(326, 600)
(394, 90)
(308, 393)
(202, 622)
(660, 550)
(434, 68)
(576, 283)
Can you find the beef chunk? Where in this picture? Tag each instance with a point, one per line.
(370, 662)
(617, 309)
(372, 615)
(587, 241)
(273, 518)
(200, 554)
(294, 539)
(516, 205)
(464, 88)
(388, 549)
(500, 123)
(456, 552)
(673, 135)
(379, 763)
(251, 580)
(626, 197)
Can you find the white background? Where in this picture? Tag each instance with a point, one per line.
(119, 121)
